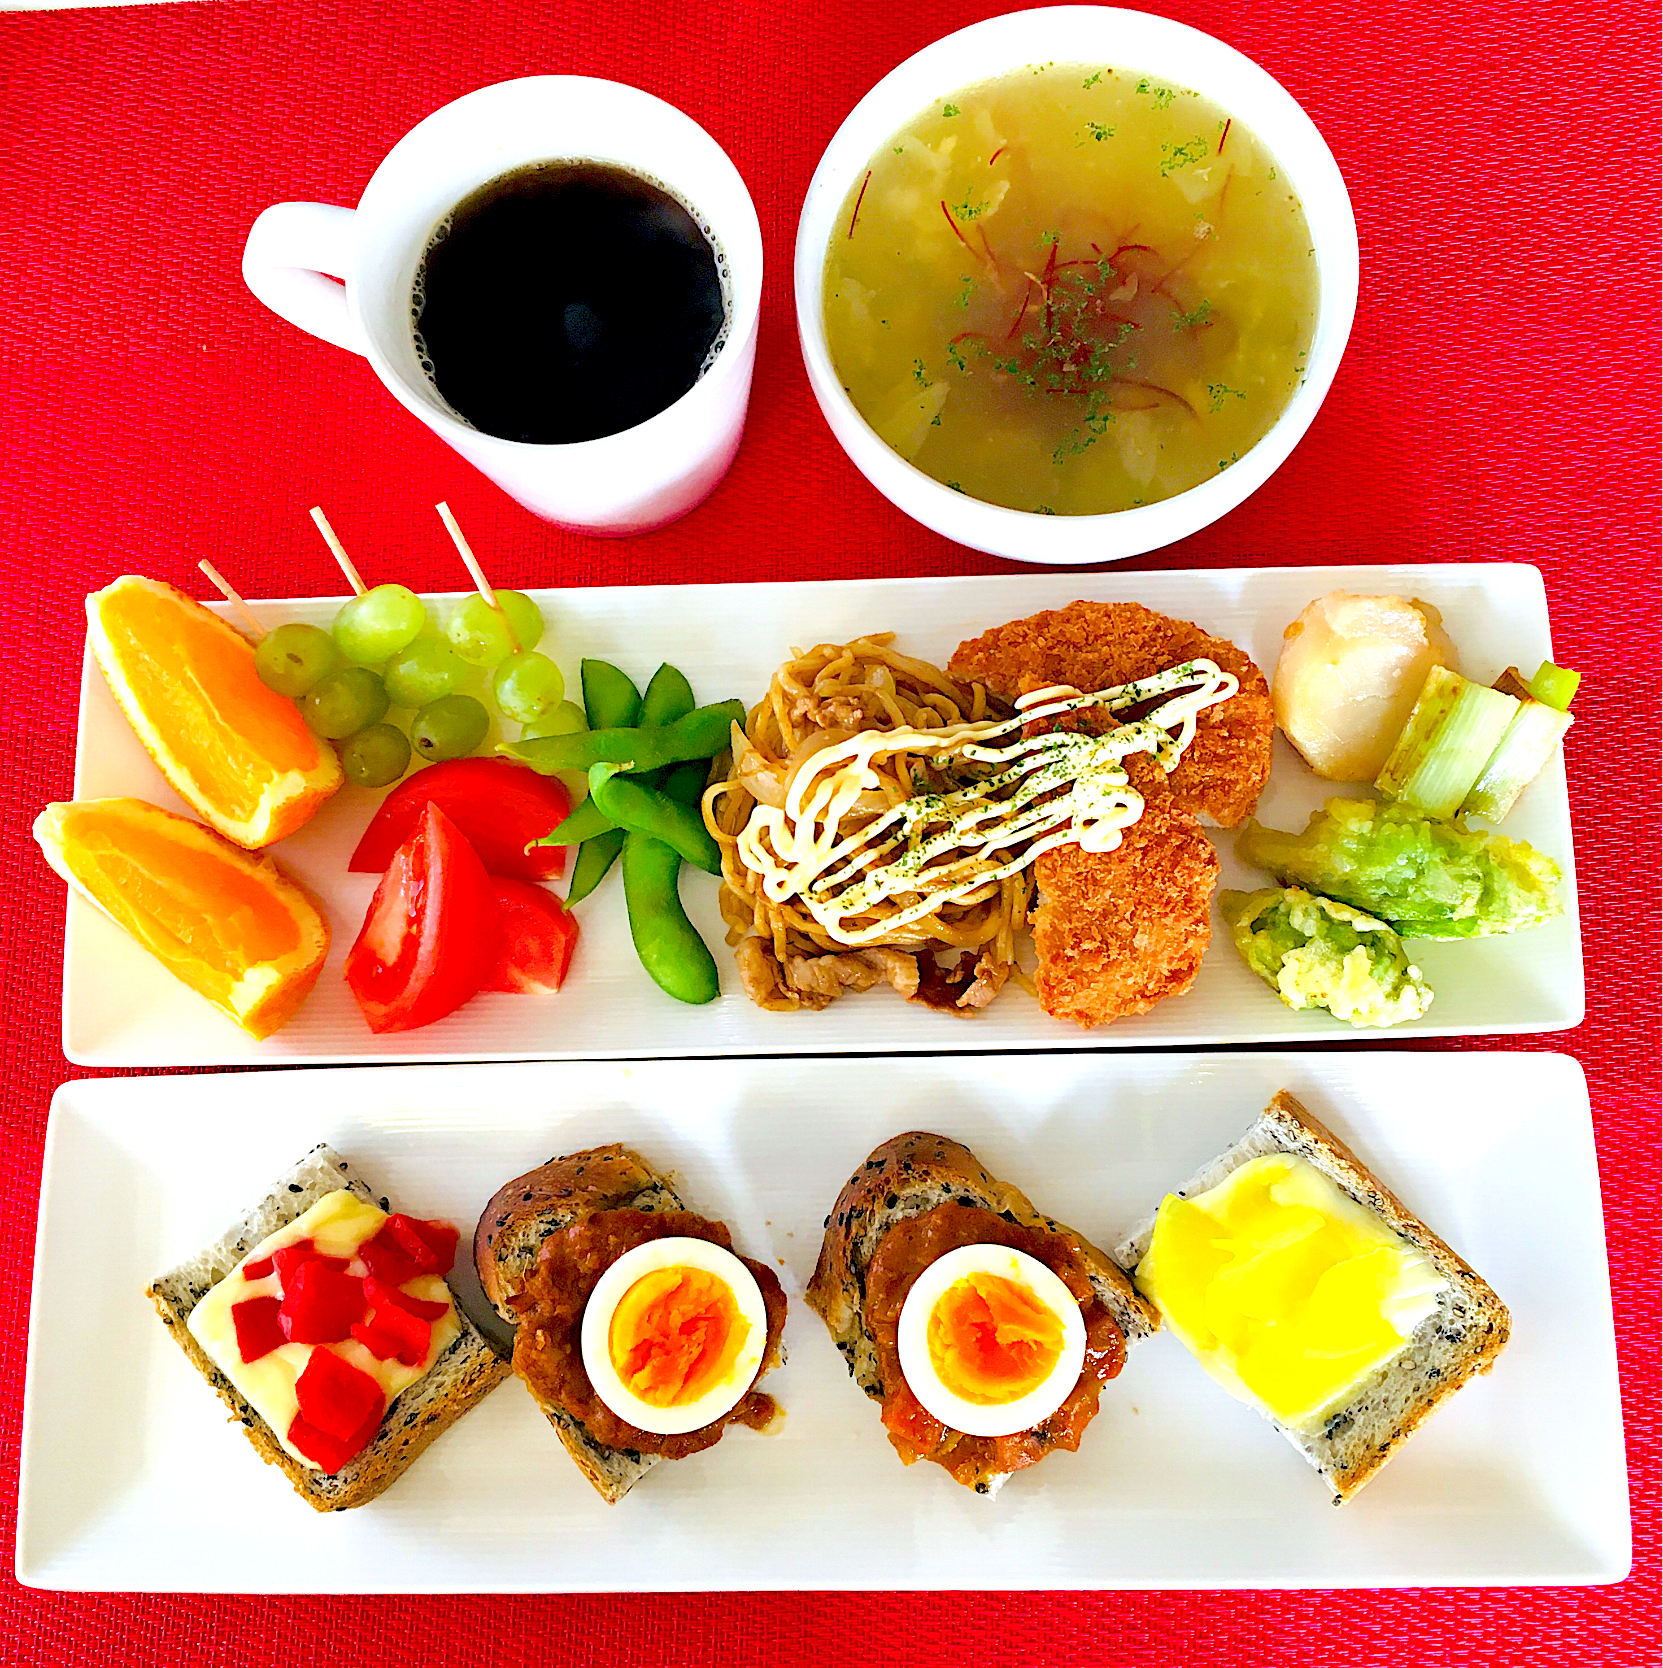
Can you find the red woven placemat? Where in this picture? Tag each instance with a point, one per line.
(1498, 402)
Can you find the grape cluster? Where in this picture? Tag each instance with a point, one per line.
(384, 650)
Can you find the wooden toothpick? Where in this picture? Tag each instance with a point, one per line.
(338, 551)
(477, 573)
(225, 589)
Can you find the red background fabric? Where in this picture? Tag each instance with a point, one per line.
(1498, 402)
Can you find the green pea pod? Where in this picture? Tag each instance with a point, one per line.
(642, 810)
(704, 732)
(595, 857)
(668, 944)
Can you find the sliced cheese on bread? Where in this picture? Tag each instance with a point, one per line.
(1461, 1337)
(465, 1372)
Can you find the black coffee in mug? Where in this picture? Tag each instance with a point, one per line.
(565, 301)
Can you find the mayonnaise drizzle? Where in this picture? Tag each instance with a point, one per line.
(939, 848)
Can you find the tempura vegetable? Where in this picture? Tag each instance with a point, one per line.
(1425, 878)
(1318, 953)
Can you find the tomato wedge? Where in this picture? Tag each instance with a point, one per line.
(500, 806)
(537, 941)
(430, 936)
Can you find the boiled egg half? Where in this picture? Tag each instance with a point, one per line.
(991, 1340)
(674, 1334)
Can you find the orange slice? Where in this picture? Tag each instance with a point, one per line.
(228, 922)
(238, 753)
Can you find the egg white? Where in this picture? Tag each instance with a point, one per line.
(597, 1325)
(912, 1337)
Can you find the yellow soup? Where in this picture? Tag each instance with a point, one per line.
(1071, 290)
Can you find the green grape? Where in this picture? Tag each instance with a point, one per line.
(526, 686)
(293, 657)
(374, 627)
(477, 631)
(449, 728)
(344, 702)
(566, 719)
(377, 756)
(424, 671)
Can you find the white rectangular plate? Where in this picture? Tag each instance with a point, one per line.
(728, 639)
(133, 1478)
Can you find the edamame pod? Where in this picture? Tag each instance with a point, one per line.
(669, 696)
(704, 732)
(639, 809)
(584, 823)
(609, 699)
(668, 944)
(594, 858)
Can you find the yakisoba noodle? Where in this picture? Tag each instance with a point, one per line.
(877, 813)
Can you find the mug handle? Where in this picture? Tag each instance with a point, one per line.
(290, 249)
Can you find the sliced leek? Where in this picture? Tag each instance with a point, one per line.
(1454, 729)
(1555, 686)
(1526, 746)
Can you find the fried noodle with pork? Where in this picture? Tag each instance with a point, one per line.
(957, 955)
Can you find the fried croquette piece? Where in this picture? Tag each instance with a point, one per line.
(1096, 645)
(1117, 931)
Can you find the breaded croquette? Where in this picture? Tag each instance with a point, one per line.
(1096, 645)
(1118, 931)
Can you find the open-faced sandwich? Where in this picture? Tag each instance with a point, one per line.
(1312, 1293)
(639, 1331)
(324, 1322)
(986, 1330)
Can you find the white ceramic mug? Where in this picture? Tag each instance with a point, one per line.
(1080, 35)
(629, 482)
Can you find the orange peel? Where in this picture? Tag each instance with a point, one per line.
(227, 922)
(238, 753)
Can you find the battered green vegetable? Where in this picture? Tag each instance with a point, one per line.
(1425, 878)
(1316, 953)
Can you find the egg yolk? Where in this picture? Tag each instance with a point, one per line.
(675, 1335)
(991, 1340)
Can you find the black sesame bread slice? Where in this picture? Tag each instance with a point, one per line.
(467, 1370)
(1460, 1339)
(905, 1177)
(510, 1233)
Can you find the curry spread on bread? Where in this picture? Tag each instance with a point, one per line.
(907, 1249)
(548, 1352)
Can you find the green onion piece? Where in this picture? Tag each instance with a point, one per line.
(1526, 746)
(1455, 727)
(1555, 686)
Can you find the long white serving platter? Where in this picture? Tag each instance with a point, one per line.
(119, 1010)
(132, 1476)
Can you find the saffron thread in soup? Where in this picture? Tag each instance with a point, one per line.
(1071, 290)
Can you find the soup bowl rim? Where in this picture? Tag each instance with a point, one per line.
(1087, 35)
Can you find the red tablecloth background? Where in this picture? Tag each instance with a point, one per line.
(1498, 402)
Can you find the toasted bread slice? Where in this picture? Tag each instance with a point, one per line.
(514, 1225)
(1460, 1339)
(905, 1177)
(467, 1371)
